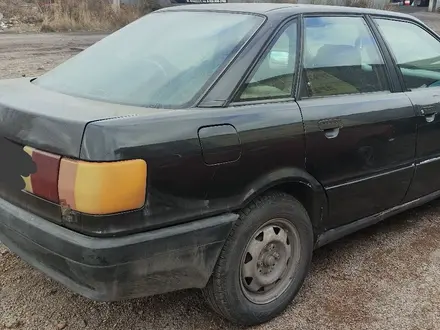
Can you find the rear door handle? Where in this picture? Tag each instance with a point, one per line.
(429, 113)
(330, 127)
(430, 117)
(327, 124)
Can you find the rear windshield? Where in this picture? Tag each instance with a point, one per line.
(164, 59)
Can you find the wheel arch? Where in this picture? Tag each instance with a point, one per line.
(297, 183)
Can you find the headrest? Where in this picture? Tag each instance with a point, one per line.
(337, 56)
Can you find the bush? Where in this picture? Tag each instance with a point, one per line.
(21, 11)
(87, 15)
(359, 3)
(354, 3)
(99, 15)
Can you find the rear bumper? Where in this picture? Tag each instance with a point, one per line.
(108, 269)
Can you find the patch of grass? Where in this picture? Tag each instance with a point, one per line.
(88, 15)
(99, 15)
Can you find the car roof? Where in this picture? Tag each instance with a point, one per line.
(291, 9)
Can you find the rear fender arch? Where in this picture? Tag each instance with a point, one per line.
(298, 183)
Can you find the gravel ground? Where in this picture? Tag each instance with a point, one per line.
(33, 54)
(384, 277)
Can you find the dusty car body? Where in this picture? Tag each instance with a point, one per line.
(217, 159)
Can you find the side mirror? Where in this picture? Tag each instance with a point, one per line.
(278, 59)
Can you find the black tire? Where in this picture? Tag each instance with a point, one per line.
(225, 292)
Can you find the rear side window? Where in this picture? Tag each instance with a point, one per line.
(273, 76)
(417, 52)
(164, 60)
(341, 56)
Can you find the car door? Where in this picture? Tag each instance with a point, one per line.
(360, 131)
(417, 58)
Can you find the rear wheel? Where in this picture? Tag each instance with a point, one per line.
(264, 261)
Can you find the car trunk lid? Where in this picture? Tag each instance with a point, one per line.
(37, 128)
(50, 121)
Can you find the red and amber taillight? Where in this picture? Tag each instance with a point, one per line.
(44, 182)
(88, 187)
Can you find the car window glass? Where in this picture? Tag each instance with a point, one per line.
(341, 57)
(416, 52)
(273, 77)
(154, 61)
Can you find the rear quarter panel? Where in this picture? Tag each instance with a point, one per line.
(180, 185)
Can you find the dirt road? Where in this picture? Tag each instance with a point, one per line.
(385, 277)
(32, 54)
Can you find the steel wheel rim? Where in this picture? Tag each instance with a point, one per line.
(269, 262)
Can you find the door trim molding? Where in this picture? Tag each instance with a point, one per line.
(374, 176)
(429, 160)
(340, 232)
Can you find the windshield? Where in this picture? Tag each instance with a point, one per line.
(164, 59)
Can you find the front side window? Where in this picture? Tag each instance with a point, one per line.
(341, 56)
(416, 52)
(164, 59)
(273, 76)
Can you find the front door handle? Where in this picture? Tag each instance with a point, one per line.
(330, 127)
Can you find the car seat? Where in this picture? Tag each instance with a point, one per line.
(336, 69)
